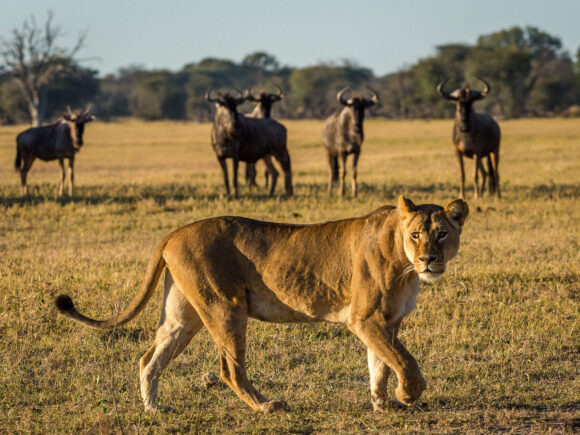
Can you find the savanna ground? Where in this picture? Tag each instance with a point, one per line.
(498, 338)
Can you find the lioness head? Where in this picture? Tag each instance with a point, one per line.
(431, 235)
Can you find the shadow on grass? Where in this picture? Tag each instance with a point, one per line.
(132, 335)
(179, 192)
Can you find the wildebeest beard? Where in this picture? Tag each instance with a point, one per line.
(465, 115)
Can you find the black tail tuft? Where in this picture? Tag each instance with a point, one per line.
(18, 161)
(64, 304)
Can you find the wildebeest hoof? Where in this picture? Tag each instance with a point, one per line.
(209, 380)
(273, 405)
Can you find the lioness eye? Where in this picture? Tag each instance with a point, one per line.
(442, 235)
(415, 235)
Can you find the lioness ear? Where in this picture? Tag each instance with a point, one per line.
(457, 211)
(406, 205)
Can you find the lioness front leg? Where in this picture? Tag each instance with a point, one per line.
(379, 376)
(382, 342)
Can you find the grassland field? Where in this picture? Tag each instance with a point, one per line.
(498, 338)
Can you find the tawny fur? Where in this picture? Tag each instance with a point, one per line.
(363, 271)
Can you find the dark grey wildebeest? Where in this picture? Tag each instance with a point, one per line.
(248, 140)
(343, 135)
(264, 102)
(58, 141)
(475, 135)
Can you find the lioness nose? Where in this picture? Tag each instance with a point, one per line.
(426, 259)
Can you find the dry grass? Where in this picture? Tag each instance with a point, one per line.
(498, 339)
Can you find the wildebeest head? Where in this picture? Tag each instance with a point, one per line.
(358, 104)
(77, 121)
(226, 100)
(464, 98)
(265, 99)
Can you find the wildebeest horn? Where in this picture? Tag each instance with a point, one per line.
(242, 97)
(208, 96)
(87, 110)
(280, 92)
(375, 97)
(444, 93)
(69, 111)
(339, 97)
(248, 95)
(487, 86)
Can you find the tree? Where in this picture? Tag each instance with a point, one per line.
(34, 60)
(515, 59)
(263, 60)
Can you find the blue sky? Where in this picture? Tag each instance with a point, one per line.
(383, 35)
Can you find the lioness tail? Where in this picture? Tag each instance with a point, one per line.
(65, 305)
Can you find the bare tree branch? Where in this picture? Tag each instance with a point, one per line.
(34, 60)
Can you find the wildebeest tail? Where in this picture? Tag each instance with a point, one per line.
(491, 178)
(65, 305)
(18, 161)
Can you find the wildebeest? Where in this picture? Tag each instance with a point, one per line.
(475, 135)
(248, 140)
(264, 102)
(343, 135)
(61, 140)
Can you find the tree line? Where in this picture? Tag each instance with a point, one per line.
(530, 73)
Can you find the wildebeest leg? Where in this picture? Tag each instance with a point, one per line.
(333, 176)
(179, 323)
(266, 178)
(342, 173)
(354, 173)
(26, 165)
(284, 159)
(251, 175)
(225, 172)
(71, 176)
(462, 174)
(235, 176)
(61, 178)
(483, 175)
(476, 169)
(494, 161)
(271, 169)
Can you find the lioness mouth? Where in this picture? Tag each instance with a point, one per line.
(430, 276)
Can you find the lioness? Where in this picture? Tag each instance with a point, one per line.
(363, 272)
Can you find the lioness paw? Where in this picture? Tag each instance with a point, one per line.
(209, 380)
(161, 408)
(274, 405)
(410, 392)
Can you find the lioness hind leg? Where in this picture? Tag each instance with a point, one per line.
(228, 330)
(179, 323)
